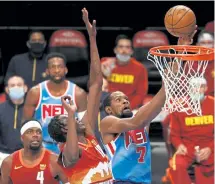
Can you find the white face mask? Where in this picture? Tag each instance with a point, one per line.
(123, 57)
(16, 93)
(197, 96)
(207, 45)
(206, 40)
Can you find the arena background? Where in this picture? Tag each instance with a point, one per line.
(113, 18)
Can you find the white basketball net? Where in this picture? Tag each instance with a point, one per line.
(182, 94)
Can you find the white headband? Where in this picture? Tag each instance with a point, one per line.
(30, 124)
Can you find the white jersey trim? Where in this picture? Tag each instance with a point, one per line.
(40, 97)
(62, 160)
(108, 147)
(113, 145)
(57, 97)
(73, 97)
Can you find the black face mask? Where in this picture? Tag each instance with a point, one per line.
(36, 49)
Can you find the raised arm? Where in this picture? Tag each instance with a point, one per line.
(96, 79)
(56, 170)
(146, 113)
(71, 150)
(30, 103)
(5, 171)
(144, 116)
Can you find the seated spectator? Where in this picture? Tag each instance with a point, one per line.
(10, 116)
(206, 39)
(191, 132)
(125, 74)
(31, 66)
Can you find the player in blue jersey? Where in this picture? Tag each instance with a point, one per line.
(44, 100)
(125, 136)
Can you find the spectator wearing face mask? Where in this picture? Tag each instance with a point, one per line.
(126, 74)
(193, 138)
(30, 66)
(206, 39)
(10, 116)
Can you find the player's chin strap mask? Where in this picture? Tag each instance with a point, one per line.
(30, 124)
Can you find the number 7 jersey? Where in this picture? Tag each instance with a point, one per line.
(130, 156)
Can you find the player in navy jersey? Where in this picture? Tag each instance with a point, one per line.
(44, 100)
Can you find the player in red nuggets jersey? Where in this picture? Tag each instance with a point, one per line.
(82, 158)
(33, 164)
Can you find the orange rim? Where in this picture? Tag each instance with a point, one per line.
(205, 54)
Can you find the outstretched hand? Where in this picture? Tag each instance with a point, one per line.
(68, 104)
(188, 39)
(91, 28)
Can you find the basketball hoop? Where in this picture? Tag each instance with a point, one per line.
(179, 89)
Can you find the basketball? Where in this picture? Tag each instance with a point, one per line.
(180, 21)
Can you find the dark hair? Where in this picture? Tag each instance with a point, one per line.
(106, 102)
(35, 31)
(32, 119)
(56, 54)
(54, 129)
(121, 37)
(6, 82)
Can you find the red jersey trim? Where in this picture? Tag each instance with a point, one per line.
(111, 148)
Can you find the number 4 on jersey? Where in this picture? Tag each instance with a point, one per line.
(40, 176)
